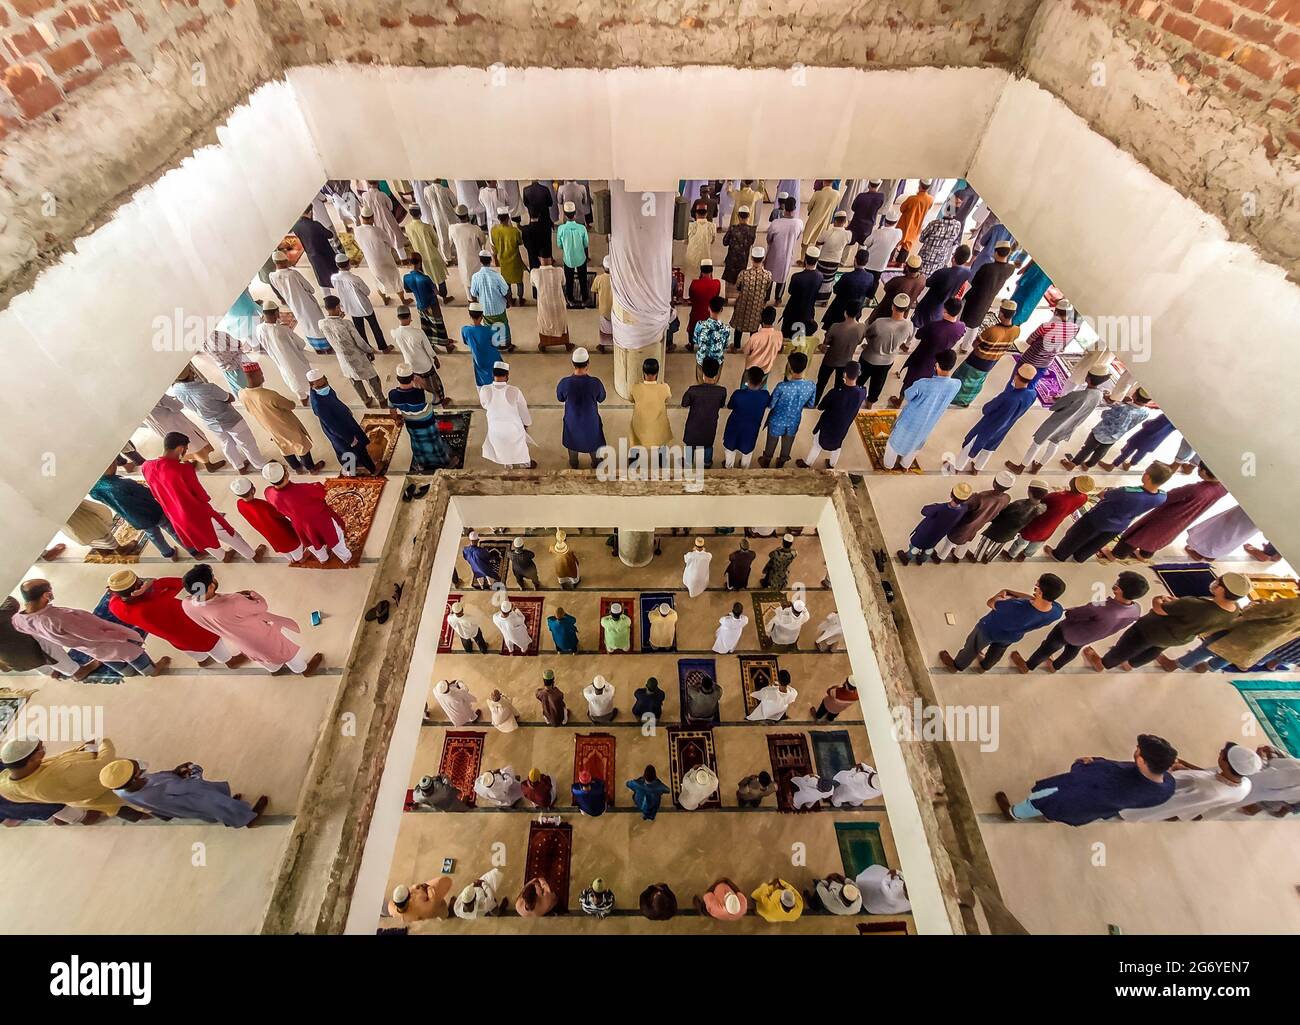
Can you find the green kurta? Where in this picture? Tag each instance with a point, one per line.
(506, 240)
(1258, 630)
(618, 632)
(424, 240)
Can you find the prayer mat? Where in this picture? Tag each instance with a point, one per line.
(292, 248)
(789, 755)
(1276, 704)
(874, 427)
(550, 849)
(532, 610)
(350, 247)
(688, 748)
(1186, 580)
(651, 600)
(595, 753)
(10, 702)
(756, 672)
(127, 537)
(1267, 587)
(445, 637)
(462, 757)
(765, 603)
(860, 845)
(629, 609)
(383, 430)
(453, 428)
(355, 500)
(882, 928)
(833, 751)
(693, 670)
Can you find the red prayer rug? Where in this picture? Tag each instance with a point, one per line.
(355, 500)
(882, 928)
(550, 849)
(445, 637)
(384, 431)
(756, 672)
(462, 757)
(532, 610)
(789, 755)
(688, 748)
(629, 610)
(595, 753)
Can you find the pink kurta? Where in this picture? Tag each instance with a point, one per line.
(244, 621)
(188, 506)
(85, 631)
(305, 506)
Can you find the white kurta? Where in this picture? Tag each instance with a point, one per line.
(1196, 792)
(467, 238)
(415, 347)
(376, 248)
(514, 629)
(381, 210)
(443, 207)
(728, 636)
(772, 703)
(458, 703)
(301, 297)
(503, 715)
(464, 625)
(288, 353)
(806, 791)
(829, 628)
(831, 894)
(507, 438)
(599, 702)
(552, 319)
(467, 195)
(785, 624)
(855, 786)
(698, 786)
(882, 890)
(505, 790)
(485, 896)
(695, 578)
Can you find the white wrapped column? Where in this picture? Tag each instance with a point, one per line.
(641, 269)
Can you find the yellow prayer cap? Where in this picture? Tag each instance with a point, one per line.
(1084, 484)
(123, 580)
(116, 773)
(534, 776)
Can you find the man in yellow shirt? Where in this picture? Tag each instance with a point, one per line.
(777, 901)
(650, 426)
(70, 778)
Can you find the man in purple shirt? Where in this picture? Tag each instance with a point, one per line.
(935, 337)
(1099, 788)
(937, 519)
(1111, 516)
(1086, 624)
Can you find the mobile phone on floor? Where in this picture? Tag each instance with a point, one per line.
(315, 618)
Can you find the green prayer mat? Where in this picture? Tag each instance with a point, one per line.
(1276, 704)
(861, 846)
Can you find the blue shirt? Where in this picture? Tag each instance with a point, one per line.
(479, 340)
(482, 561)
(1099, 789)
(490, 289)
(421, 286)
(747, 407)
(1118, 420)
(129, 499)
(582, 395)
(591, 798)
(710, 340)
(789, 400)
(1012, 618)
(1119, 507)
(564, 632)
(646, 796)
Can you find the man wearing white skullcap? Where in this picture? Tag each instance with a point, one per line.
(514, 629)
(457, 702)
(468, 239)
(295, 290)
(981, 507)
(499, 788)
(354, 295)
(698, 785)
(421, 902)
(783, 624)
(508, 420)
(883, 891)
(776, 571)
(617, 627)
(724, 901)
(268, 521)
(777, 901)
(303, 503)
(738, 240)
(285, 348)
(602, 290)
(484, 565)
(837, 895)
(356, 358)
(751, 194)
(753, 291)
(489, 289)
(783, 237)
(466, 627)
(663, 628)
(1204, 793)
(600, 700)
(375, 247)
(31, 776)
(479, 899)
(582, 395)
(506, 241)
(571, 237)
(855, 786)
(380, 205)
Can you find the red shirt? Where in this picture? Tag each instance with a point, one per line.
(702, 292)
(159, 611)
(304, 504)
(273, 525)
(1059, 505)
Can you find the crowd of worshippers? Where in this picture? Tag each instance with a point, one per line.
(1158, 786)
(877, 890)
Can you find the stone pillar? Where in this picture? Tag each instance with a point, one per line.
(641, 270)
(636, 547)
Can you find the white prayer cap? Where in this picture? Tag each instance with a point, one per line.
(425, 783)
(280, 256)
(242, 486)
(269, 305)
(914, 261)
(605, 263)
(706, 262)
(473, 535)
(893, 213)
(506, 606)
(1039, 483)
(787, 538)
(758, 252)
(813, 251)
(1244, 761)
(1002, 243)
(615, 607)
(315, 374)
(1009, 305)
(517, 543)
(17, 750)
(403, 370)
(703, 776)
(927, 182)
(841, 215)
(598, 885)
(468, 895)
(787, 898)
(664, 608)
(742, 209)
(475, 307)
(850, 892)
(600, 682)
(732, 903)
(569, 206)
(883, 892)
(500, 365)
(580, 355)
(458, 607)
(273, 472)
(442, 686)
(462, 209)
(798, 606)
(365, 211)
(401, 894)
(485, 780)
(783, 195)
(502, 210)
(902, 300)
(1063, 306)
(1004, 478)
(485, 252)
(699, 542)
(875, 181)
(342, 258)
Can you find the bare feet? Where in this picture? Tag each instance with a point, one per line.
(1167, 663)
(237, 661)
(227, 555)
(259, 552)
(313, 664)
(159, 665)
(1093, 659)
(87, 669)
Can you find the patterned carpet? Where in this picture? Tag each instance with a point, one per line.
(874, 428)
(462, 757)
(756, 672)
(127, 537)
(550, 850)
(789, 755)
(860, 846)
(651, 600)
(765, 603)
(629, 609)
(595, 752)
(384, 431)
(833, 752)
(445, 637)
(355, 500)
(695, 669)
(688, 748)
(532, 610)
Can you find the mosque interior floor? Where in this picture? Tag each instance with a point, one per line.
(259, 732)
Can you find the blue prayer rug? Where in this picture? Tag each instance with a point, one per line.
(693, 670)
(1186, 579)
(1276, 704)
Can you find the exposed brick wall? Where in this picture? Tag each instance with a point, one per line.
(1205, 92)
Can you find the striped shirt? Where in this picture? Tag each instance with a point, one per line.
(1049, 340)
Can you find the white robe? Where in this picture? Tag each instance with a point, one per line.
(693, 793)
(288, 353)
(599, 702)
(514, 629)
(458, 703)
(882, 891)
(829, 628)
(728, 636)
(505, 790)
(806, 793)
(1196, 792)
(831, 894)
(854, 786)
(503, 715)
(467, 193)
(785, 624)
(443, 206)
(490, 200)
(377, 250)
(485, 901)
(467, 238)
(464, 625)
(695, 578)
(382, 211)
(507, 438)
(301, 297)
(772, 703)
